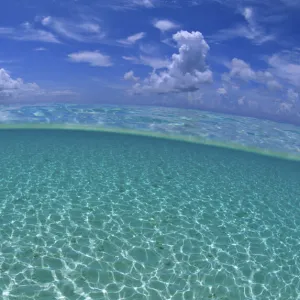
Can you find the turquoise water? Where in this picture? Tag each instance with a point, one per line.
(249, 132)
(91, 215)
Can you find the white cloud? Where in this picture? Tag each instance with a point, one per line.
(151, 48)
(131, 4)
(46, 20)
(222, 91)
(5, 61)
(241, 100)
(26, 32)
(40, 49)
(241, 70)
(62, 93)
(195, 98)
(145, 3)
(274, 85)
(7, 31)
(10, 87)
(292, 95)
(94, 58)
(251, 30)
(6, 116)
(187, 69)
(130, 76)
(285, 108)
(164, 25)
(78, 31)
(286, 67)
(153, 62)
(132, 39)
(90, 27)
(130, 58)
(248, 14)
(17, 89)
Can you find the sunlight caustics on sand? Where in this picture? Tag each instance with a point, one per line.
(101, 215)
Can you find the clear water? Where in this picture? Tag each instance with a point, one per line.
(86, 215)
(250, 132)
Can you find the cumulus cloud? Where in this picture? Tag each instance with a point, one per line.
(17, 89)
(239, 68)
(26, 32)
(251, 31)
(242, 70)
(286, 67)
(78, 31)
(130, 76)
(132, 39)
(187, 69)
(165, 25)
(12, 87)
(94, 58)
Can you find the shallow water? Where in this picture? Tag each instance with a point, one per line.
(91, 215)
(250, 132)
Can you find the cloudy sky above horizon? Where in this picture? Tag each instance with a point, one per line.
(226, 52)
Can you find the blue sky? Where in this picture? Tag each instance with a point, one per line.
(233, 55)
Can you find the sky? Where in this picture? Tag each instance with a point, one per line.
(222, 55)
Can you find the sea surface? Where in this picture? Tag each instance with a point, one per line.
(248, 132)
(102, 215)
